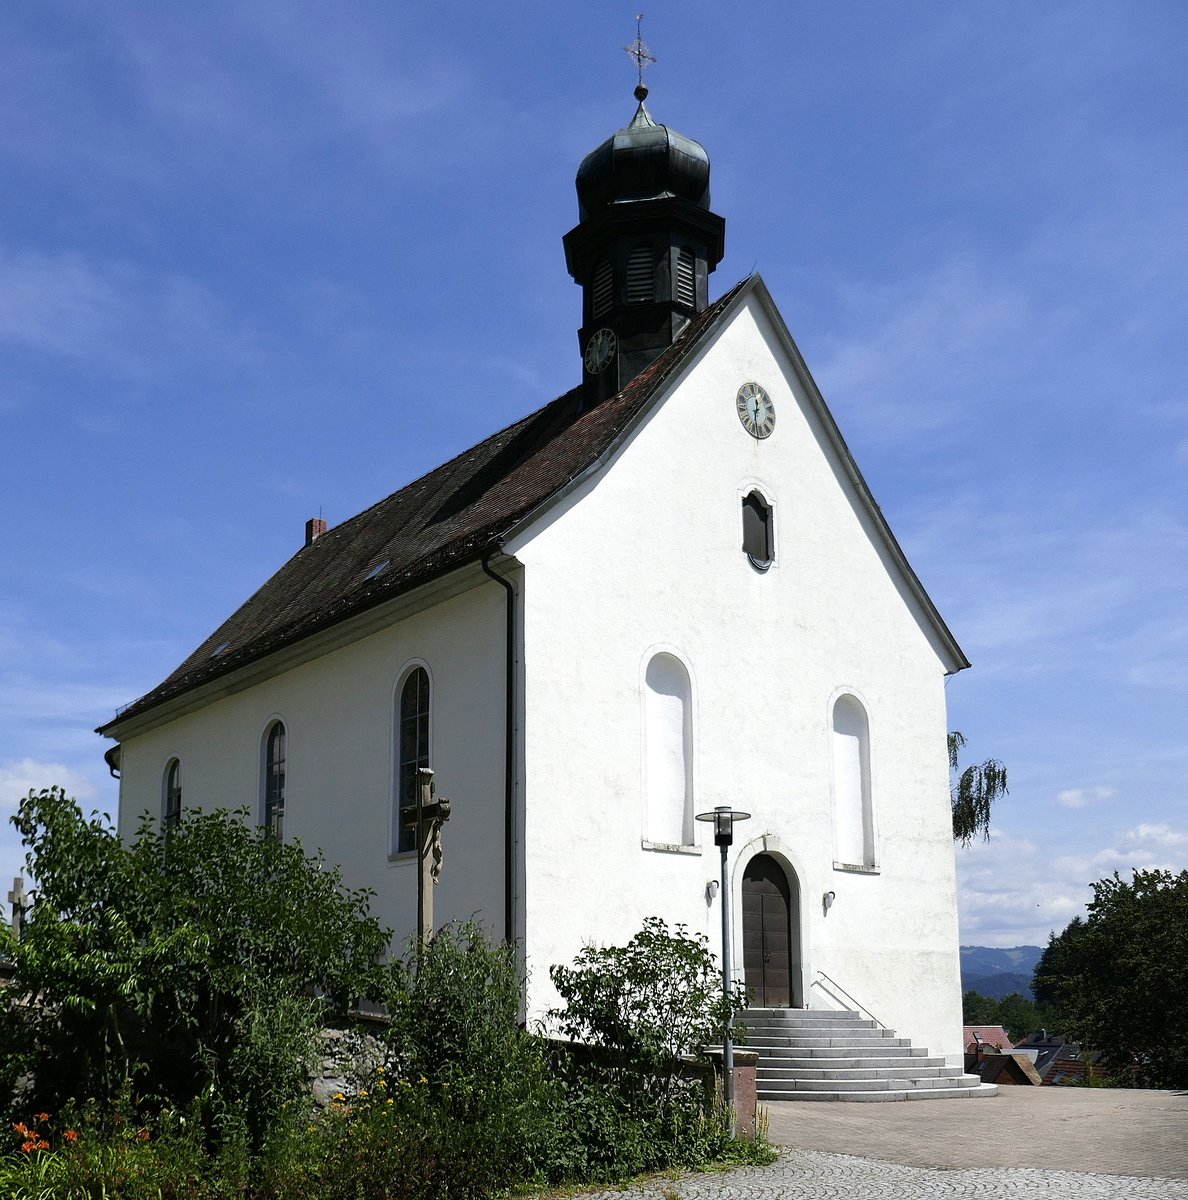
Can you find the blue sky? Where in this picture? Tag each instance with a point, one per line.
(258, 260)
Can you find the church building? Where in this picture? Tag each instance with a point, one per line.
(668, 589)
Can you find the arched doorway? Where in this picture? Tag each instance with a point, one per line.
(771, 934)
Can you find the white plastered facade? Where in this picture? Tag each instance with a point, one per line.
(642, 556)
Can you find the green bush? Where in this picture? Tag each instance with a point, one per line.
(633, 1105)
(455, 1024)
(85, 1156)
(193, 963)
(182, 982)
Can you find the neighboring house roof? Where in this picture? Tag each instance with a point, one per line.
(463, 509)
(1009, 1068)
(992, 1036)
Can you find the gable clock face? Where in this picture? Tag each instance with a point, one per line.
(600, 349)
(755, 410)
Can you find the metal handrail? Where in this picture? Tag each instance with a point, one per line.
(859, 1007)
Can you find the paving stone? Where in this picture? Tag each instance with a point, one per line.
(1027, 1143)
(813, 1175)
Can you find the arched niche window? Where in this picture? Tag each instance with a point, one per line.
(412, 753)
(604, 288)
(274, 779)
(686, 291)
(641, 274)
(668, 751)
(171, 794)
(758, 542)
(853, 833)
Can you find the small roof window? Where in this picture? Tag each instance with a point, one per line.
(377, 570)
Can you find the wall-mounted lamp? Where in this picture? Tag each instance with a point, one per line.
(711, 890)
(827, 901)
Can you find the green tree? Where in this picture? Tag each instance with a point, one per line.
(1118, 979)
(977, 1009)
(196, 963)
(1018, 1015)
(973, 792)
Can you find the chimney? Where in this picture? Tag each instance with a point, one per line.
(314, 528)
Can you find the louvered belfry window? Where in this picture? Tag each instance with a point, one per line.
(641, 272)
(604, 287)
(685, 291)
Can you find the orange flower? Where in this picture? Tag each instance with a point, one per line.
(143, 1135)
(71, 1135)
(35, 1143)
(43, 1117)
(21, 1128)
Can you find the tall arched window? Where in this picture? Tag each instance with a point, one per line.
(412, 743)
(668, 752)
(171, 794)
(641, 274)
(274, 779)
(853, 833)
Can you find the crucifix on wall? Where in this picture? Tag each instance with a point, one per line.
(428, 818)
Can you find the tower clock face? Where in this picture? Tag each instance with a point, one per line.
(755, 410)
(600, 349)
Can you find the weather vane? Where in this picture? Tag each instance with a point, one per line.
(639, 52)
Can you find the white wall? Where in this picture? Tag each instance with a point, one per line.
(338, 712)
(647, 557)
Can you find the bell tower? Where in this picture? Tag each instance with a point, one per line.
(642, 250)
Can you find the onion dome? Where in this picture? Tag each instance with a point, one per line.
(644, 161)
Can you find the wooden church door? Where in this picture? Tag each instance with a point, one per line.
(771, 927)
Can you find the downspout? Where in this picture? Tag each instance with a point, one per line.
(509, 754)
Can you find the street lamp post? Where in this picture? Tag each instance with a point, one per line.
(723, 818)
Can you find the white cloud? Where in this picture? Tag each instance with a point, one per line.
(1156, 835)
(19, 778)
(1012, 891)
(1080, 797)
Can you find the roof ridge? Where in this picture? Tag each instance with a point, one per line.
(438, 521)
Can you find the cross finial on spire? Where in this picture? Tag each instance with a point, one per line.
(641, 54)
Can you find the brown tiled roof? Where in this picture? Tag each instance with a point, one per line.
(442, 520)
(992, 1036)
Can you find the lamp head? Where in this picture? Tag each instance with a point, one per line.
(724, 818)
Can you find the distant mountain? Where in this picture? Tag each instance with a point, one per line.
(997, 972)
(998, 986)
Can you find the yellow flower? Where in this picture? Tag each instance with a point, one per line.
(389, 1101)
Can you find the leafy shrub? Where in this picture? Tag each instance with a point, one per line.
(83, 1157)
(632, 1105)
(654, 999)
(455, 1031)
(193, 962)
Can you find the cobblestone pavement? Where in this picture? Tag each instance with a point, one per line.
(1039, 1143)
(813, 1175)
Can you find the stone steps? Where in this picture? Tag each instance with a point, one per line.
(807, 1054)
